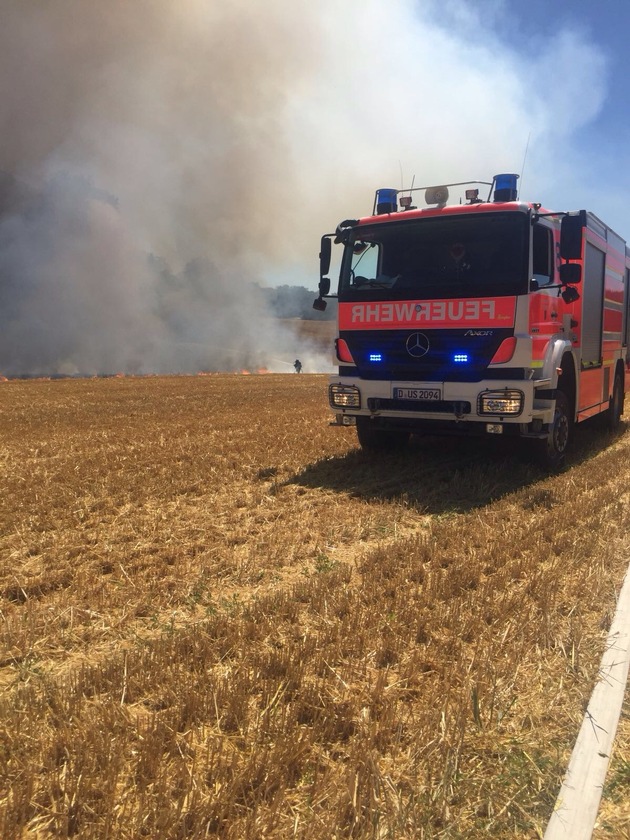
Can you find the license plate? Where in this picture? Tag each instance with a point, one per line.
(417, 393)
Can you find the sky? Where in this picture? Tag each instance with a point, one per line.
(159, 158)
(602, 143)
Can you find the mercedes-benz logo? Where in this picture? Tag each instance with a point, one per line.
(417, 345)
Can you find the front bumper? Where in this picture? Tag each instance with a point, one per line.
(489, 403)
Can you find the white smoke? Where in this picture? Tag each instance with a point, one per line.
(165, 157)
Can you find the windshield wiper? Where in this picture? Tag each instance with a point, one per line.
(380, 282)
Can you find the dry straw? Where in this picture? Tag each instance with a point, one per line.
(220, 619)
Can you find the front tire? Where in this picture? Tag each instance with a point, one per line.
(374, 439)
(552, 449)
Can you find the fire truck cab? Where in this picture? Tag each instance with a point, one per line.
(487, 316)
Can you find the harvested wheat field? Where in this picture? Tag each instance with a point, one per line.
(221, 619)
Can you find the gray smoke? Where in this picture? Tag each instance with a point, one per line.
(159, 160)
(146, 176)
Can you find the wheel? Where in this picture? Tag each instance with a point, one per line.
(553, 448)
(615, 409)
(373, 439)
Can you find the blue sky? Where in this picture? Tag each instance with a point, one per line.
(599, 146)
(448, 90)
(602, 22)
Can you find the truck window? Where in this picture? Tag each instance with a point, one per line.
(448, 256)
(365, 263)
(542, 254)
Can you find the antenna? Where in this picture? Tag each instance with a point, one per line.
(525, 158)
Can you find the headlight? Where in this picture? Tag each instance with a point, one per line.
(500, 402)
(344, 396)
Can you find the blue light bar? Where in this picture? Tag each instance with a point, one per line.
(505, 187)
(375, 357)
(386, 201)
(461, 358)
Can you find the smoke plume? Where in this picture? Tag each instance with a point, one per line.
(160, 160)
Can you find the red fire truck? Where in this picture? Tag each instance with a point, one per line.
(483, 316)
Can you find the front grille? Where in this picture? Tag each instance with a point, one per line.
(437, 365)
(458, 407)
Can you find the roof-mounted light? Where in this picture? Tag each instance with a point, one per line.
(436, 195)
(505, 187)
(386, 201)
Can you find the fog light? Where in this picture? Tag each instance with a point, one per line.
(344, 396)
(500, 402)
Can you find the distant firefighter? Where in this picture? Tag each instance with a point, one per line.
(297, 364)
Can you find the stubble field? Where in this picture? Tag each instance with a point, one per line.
(220, 619)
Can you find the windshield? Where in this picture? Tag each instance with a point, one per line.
(438, 257)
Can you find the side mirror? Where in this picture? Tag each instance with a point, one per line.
(570, 294)
(324, 257)
(324, 267)
(571, 229)
(570, 274)
(324, 287)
